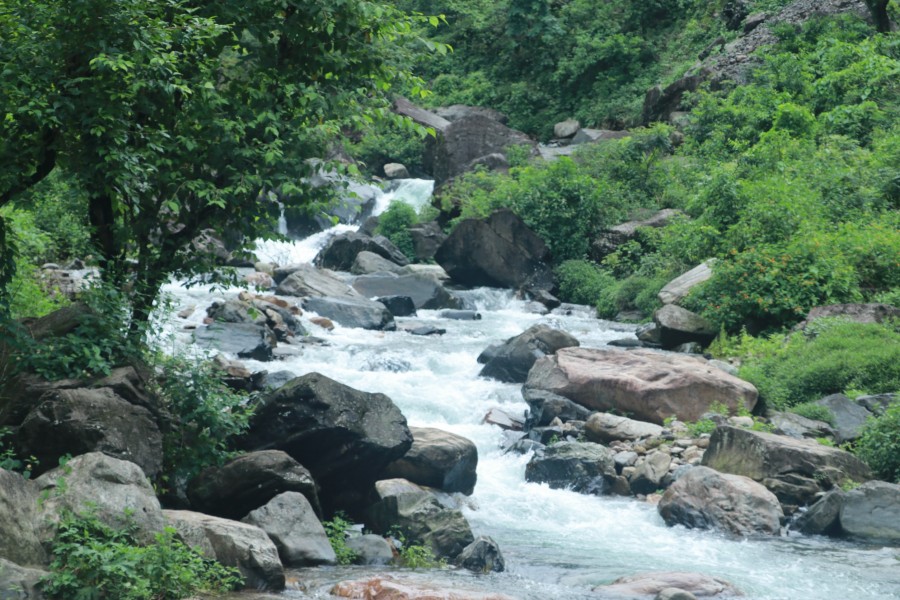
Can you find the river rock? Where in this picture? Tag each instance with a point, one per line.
(872, 512)
(794, 470)
(482, 556)
(396, 171)
(650, 386)
(823, 517)
(342, 250)
(20, 583)
(399, 306)
(706, 499)
(345, 437)
(78, 421)
(793, 425)
(437, 459)
(681, 286)
(645, 585)
(248, 482)
(246, 340)
(877, 404)
(849, 417)
(580, 466)
(18, 517)
(566, 129)
(678, 326)
(426, 292)
(604, 428)
(500, 251)
(392, 588)
(460, 315)
(544, 407)
(352, 312)
(511, 361)
(649, 473)
(306, 280)
(371, 549)
(368, 262)
(232, 543)
(674, 594)
(290, 521)
(426, 238)
(421, 518)
(115, 491)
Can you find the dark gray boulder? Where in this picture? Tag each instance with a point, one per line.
(872, 512)
(580, 466)
(500, 251)
(306, 280)
(437, 459)
(79, 421)
(352, 312)
(426, 292)
(482, 556)
(345, 437)
(460, 315)
(849, 417)
(290, 521)
(607, 242)
(371, 549)
(823, 517)
(426, 238)
(545, 406)
(399, 306)
(249, 481)
(515, 357)
(794, 425)
(246, 340)
(368, 262)
(650, 471)
(341, 251)
(678, 326)
(420, 517)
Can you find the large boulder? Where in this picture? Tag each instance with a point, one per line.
(465, 140)
(514, 358)
(794, 425)
(849, 417)
(345, 437)
(368, 262)
(234, 544)
(426, 291)
(246, 340)
(706, 499)
(823, 517)
(603, 428)
(426, 239)
(371, 549)
(420, 517)
(649, 386)
(115, 491)
(872, 512)
(544, 407)
(500, 251)
(681, 286)
(249, 481)
(580, 466)
(306, 280)
(18, 516)
(78, 421)
(352, 312)
(342, 250)
(678, 326)
(647, 585)
(482, 556)
(437, 459)
(20, 583)
(795, 470)
(858, 313)
(290, 521)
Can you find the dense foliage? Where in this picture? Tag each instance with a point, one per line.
(879, 444)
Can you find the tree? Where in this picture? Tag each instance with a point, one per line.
(879, 11)
(179, 117)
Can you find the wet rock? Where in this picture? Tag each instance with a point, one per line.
(437, 459)
(500, 251)
(371, 549)
(482, 556)
(368, 262)
(232, 543)
(421, 518)
(399, 306)
(511, 361)
(248, 482)
(649, 584)
(290, 521)
(795, 470)
(648, 385)
(580, 466)
(544, 407)
(504, 420)
(426, 291)
(345, 437)
(306, 280)
(340, 253)
(823, 517)
(421, 329)
(392, 588)
(246, 340)
(19, 542)
(603, 428)
(649, 473)
(706, 499)
(352, 312)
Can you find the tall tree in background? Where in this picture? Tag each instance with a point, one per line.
(178, 116)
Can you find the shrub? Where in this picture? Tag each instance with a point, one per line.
(814, 411)
(879, 444)
(394, 224)
(839, 356)
(92, 560)
(583, 282)
(336, 530)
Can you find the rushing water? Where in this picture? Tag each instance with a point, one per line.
(557, 544)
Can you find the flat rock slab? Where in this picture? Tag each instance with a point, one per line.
(646, 385)
(647, 585)
(389, 588)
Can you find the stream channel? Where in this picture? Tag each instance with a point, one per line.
(556, 543)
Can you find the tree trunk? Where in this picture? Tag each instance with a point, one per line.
(878, 9)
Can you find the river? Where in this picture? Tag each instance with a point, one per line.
(557, 544)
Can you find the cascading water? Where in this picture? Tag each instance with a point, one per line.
(557, 544)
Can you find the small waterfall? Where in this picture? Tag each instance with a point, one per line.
(282, 221)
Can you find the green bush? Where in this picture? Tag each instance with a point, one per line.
(583, 282)
(834, 356)
(814, 411)
(336, 530)
(394, 224)
(94, 561)
(879, 444)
